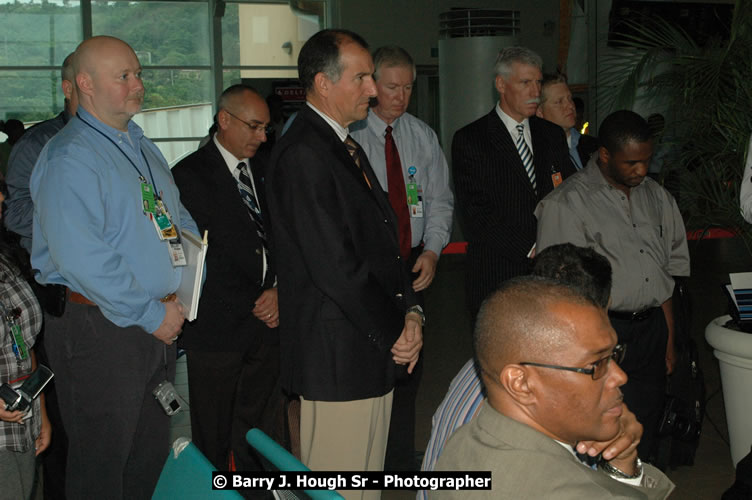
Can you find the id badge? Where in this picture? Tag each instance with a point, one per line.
(556, 179)
(415, 199)
(147, 197)
(177, 255)
(19, 346)
(163, 222)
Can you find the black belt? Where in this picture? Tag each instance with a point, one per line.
(632, 315)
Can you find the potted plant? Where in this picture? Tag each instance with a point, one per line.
(707, 93)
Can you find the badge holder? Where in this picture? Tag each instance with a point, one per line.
(160, 217)
(414, 194)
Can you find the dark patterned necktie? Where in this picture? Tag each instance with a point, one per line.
(246, 192)
(397, 192)
(355, 151)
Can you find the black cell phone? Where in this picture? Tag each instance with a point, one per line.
(21, 398)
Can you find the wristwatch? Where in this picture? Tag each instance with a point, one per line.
(618, 474)
(419, 311)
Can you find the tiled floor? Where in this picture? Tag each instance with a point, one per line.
(448, 346)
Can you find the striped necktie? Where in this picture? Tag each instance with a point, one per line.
(526, 155)
(246, 192)
(355, 151)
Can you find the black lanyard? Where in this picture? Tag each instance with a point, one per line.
(140, 175)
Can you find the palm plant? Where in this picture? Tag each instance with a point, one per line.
(707, 91)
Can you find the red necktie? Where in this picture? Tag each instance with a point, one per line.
(397, 193)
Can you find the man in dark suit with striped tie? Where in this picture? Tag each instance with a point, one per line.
(232, 347)
(503, 164)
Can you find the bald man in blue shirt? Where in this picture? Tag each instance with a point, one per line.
(100, 190)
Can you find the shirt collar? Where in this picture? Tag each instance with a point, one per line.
(593, 174)
(509, 122)
(379, 126)
(229, 158)
(574, 137)
(134, 131)
(341, 131)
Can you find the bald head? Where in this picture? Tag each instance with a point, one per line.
(517, 323)
(242, 118)
(108, 80)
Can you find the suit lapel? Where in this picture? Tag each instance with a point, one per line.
(541, 158)
(228, 196)
(502, 141)
(341, 152)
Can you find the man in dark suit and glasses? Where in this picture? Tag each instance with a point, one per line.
(232, 347)
(503, 164)
(349, 313)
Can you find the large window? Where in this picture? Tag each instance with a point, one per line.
(35, 37)
(175, 42)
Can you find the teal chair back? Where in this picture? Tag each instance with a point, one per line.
(278, 458)
(187, 475)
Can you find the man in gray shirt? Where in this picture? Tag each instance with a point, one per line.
(614, 208)
(18, 207)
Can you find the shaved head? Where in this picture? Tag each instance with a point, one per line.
(108, 80)
(89, 52)
(534, 340)
(516, 323)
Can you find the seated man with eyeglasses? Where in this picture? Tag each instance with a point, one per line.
(549, 361)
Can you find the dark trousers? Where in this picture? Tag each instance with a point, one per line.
(231, 392)
(645, 365)
(54, 457)
(118, 435)
(400, 447)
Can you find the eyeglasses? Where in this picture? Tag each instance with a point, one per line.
(597, 369)
(255, 127)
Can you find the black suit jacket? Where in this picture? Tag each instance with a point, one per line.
(496, 200)
(343, 288)
(586, 147)
(234, 264)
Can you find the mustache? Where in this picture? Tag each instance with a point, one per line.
(534, 100)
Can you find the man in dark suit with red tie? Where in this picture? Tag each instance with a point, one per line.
(503, 164)
(232, 347)
(348, 309)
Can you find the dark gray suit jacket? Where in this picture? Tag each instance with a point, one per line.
(526, 464)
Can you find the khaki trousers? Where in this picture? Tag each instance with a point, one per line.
(346, 435)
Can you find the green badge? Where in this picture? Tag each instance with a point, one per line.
(412, 193)
(147, 197)
(19, 346)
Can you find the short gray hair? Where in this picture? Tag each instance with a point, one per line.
(509, 55)
(390, 56)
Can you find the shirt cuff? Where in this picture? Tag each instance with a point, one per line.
(434, 245)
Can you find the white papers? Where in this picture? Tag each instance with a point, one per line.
(189, 291)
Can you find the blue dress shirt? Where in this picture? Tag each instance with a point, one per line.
(574, 140)
(90, 232)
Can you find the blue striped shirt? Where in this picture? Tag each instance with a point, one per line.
(460, 405)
